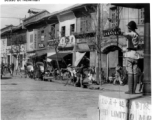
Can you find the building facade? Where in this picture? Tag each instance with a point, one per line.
(114, 45)
(73, 31)
(35, 26)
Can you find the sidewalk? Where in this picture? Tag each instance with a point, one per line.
(105, 87)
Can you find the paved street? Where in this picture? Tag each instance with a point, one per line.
(27, 99)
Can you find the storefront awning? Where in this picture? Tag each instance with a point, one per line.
(79, 56)
(40, 53)
(58, 56)
(83, 47)
(50, 54)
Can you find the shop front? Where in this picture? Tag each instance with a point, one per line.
(66, 49)
(113, 53)
(85, 44)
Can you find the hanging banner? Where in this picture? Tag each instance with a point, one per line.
(79, 56)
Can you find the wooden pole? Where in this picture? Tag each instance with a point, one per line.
(97, 43)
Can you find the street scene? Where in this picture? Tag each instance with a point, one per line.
(27, 99)
(76, 62)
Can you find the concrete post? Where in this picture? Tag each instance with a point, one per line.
(147, 64)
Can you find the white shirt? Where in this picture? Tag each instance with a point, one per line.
(132, 39)
(42, 68)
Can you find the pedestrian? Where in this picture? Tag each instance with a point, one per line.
(118, 75)
(71, 74)
(25, 70)
(80, 76)
(132, 56)
(12, 67)
(9, 69)
(91, 75)
(2, 69)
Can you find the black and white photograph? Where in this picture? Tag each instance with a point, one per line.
(76, 61)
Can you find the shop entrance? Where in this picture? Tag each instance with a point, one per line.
(85, 60)
(111, 56)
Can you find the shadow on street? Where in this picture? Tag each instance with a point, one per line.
(6, 78)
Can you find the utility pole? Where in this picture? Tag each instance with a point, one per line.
(98, 42)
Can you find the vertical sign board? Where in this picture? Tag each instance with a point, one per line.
(30, 41)
(140, 110)
(112, 108)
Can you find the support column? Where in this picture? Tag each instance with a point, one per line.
(98, 42)
(108, 66)
(147, 63)
(74, 56)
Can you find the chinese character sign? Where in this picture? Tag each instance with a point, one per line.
(112, 108)
(140, 110)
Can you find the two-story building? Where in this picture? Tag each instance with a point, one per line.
(36, 26)
(18, 46)
(86, 33)
(76, 31)
(14, 45)
(113, 45)
(3, 50)
(5, 36)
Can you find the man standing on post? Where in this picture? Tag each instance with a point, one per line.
(132, 56)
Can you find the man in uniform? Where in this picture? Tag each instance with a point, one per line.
(132, 56)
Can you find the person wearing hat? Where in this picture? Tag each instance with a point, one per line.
(80, 75)
(132, 56)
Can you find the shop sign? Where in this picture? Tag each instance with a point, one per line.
(114, 31)
(41, 45)
(67, 40)
(42, 38)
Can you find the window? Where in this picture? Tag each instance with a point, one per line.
(85, 24)
(42, 35)
(52, 32)
(141, 16)
(72, 29)
(63, 31)
(31, 38)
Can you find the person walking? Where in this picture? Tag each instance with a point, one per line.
(9, 69)
(132, 56)
(12, 67)
(80, 76)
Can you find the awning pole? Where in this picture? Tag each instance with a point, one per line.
(57, 58)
